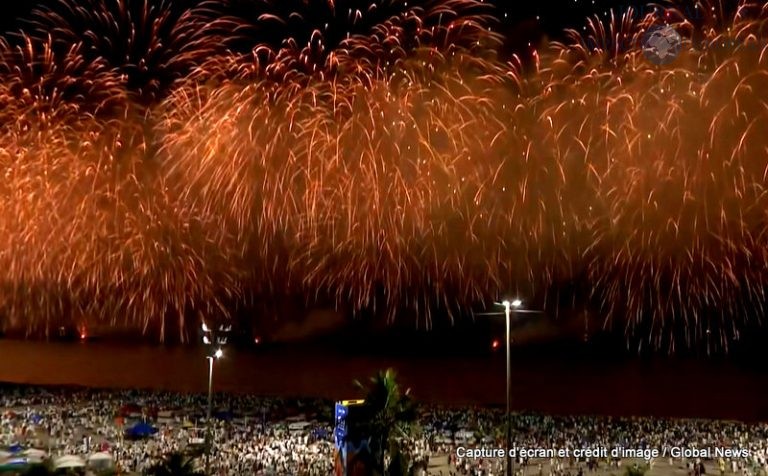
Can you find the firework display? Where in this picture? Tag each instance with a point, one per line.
(386, 158)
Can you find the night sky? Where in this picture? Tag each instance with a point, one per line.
(516, 20)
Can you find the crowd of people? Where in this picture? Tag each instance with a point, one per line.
(252, 436)
(287, 437)
(533, 431)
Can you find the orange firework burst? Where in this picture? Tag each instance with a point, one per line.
(420, 204)
(401, 166)
(677, 169)
(88, 229)
(298, 41)
(148, 43)
(39, 81)
(449, 191)
(90, 234)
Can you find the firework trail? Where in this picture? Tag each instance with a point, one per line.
(385, 158)
(38, 80)
(598, 164)
(300, 142)
(295, 40)
(150, 44)
(88, 231)
(394, 210)
(90, 235)
(678, 173)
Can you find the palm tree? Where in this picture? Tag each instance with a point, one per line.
(175, 464)
(398, 464)
(387, 415)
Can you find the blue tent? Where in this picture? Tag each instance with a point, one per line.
(15, 465)
(141, 430)
(15, 448)
(223, 415)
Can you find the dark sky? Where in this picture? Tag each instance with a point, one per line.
(518, 20)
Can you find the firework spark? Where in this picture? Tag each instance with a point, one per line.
(150, 44)
(386, 159)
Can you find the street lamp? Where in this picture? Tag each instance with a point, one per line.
(509, 307)
(215, 340)
(214, 356)
(507, 312)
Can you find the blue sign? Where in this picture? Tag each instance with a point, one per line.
(339, 437)
(340, 432)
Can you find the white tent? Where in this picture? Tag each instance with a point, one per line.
(100, 461)
(33, 452)
(298, 425)
(69, 462)
(101, 456)
(34, 455)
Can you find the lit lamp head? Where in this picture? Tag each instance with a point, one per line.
(515, 303)
(219, 353)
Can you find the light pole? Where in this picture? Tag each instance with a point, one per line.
(216, 355)
(508, 309)
(215, 340)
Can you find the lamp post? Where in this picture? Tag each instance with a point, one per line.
(216, 355)
(214, 340)
(508, 309)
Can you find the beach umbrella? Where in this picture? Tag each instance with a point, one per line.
(13, 464)
(69, 461)
(100, 456)
(100, 460)
(141, 430)
(34, 455)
